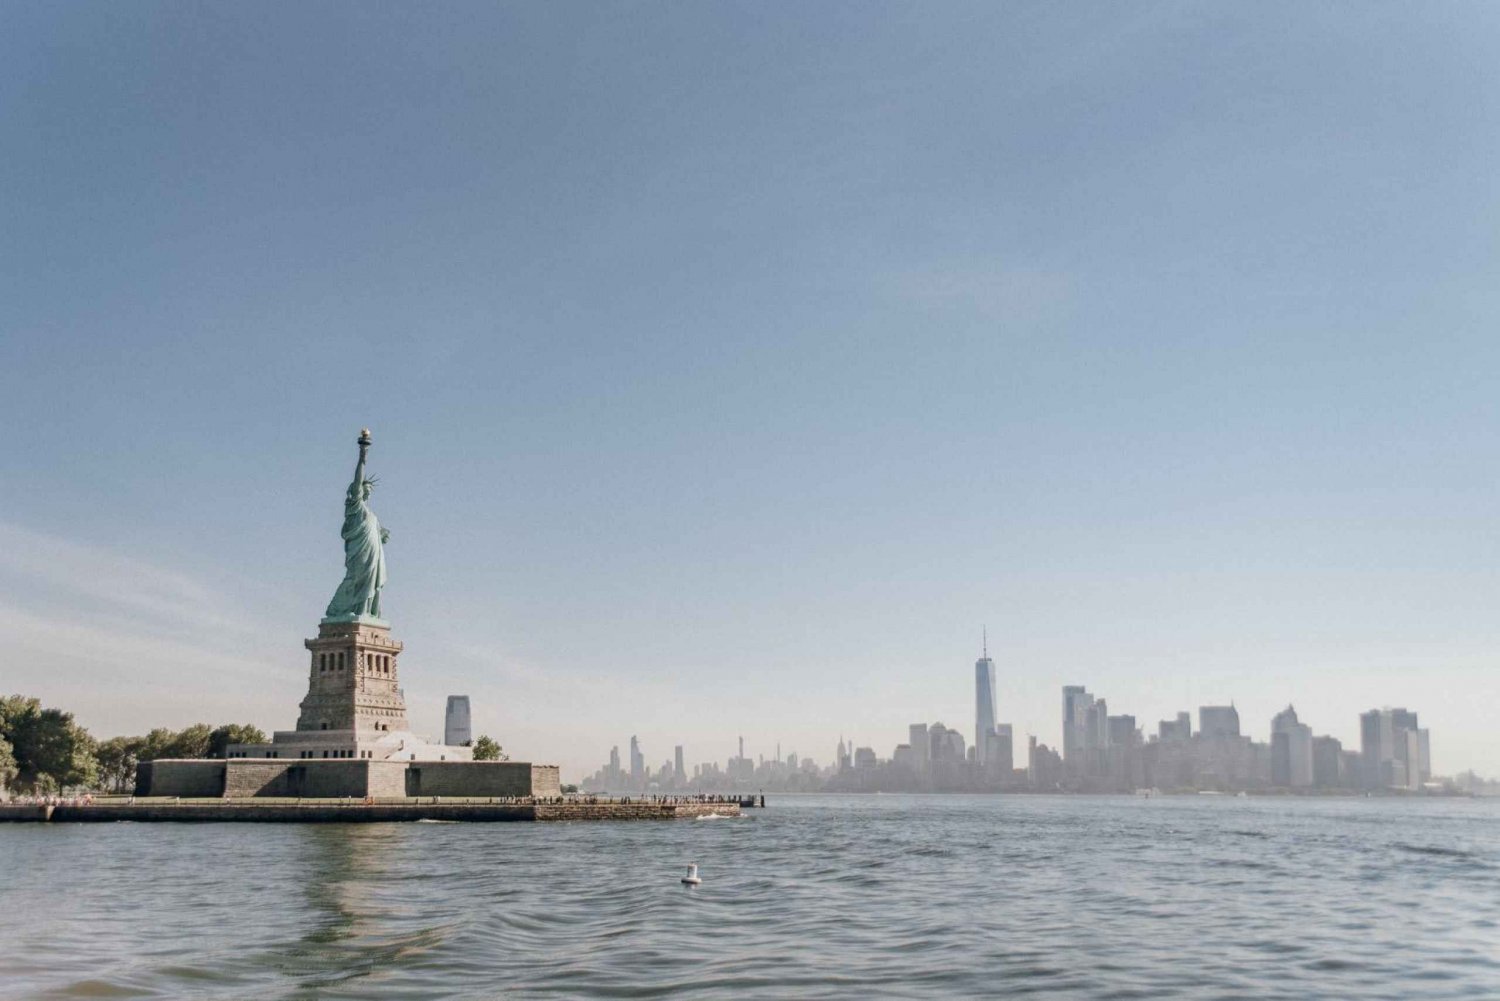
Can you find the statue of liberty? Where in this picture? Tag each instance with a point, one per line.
(364, 553)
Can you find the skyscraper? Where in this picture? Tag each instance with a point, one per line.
(921, 747)
(457, 731)
(1076, 703)
(1002, 758)
(1175, 731)
(1291, 751)
(1328, 763)
(1219, 721)
(984, 705)
(944, 744)
(677, 762)
(637, 761)
(1395, 751)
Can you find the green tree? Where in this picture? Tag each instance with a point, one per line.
(15, 711)
(51, 751)
(233, 733)
(190, 742)
(117, 759)
(119, 756)
(155, 744)
(485, 749)
(7, 764)
(13, 708)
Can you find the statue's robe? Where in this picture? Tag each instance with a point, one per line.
(364, 560)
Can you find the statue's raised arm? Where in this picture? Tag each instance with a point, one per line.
(358, 596)
(359, 467)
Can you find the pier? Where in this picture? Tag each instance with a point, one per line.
(354, 811)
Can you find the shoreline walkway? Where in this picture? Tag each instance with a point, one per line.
(355, 811)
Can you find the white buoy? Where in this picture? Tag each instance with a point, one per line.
(691, 879)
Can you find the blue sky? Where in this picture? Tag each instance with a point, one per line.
(730, 365)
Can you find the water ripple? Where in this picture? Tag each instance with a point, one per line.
(874, 897)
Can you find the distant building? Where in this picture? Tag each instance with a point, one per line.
(1002, 758)
(678, 765)
(457, 731)
(1124, 767)
(1086, 739)
(864, 757)
(1121, 730)
(741, 768)
(1044, 766)
(921, 747)
(984, 706)
(944, 745)
(637, 762)
(1175, 731)
(1221, 757)
(1328, 764)
(1218, 721)
(1395, 752)
(1076, 703)
(1085, 733)
(903, 758)
(1291, 751)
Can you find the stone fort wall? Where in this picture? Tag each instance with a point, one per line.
(471, 778)
(188, 779)
(247, 778)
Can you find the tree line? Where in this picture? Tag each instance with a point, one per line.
(45, 750)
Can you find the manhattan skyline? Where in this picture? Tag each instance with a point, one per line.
(1156, 338)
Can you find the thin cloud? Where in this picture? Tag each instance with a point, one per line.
(125, 643)
(37, 568)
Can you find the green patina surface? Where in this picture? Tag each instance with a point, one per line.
(358, 596)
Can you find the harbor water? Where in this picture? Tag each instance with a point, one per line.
(816, 896)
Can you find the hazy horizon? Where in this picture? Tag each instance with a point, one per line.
(730, 367)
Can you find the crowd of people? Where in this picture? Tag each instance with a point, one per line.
(663, 800)
(86, 799)
(593, 799)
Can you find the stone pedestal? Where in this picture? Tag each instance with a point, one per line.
(353, 679)
(354, 707)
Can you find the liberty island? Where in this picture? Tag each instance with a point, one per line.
(354, 708)
(352, 755)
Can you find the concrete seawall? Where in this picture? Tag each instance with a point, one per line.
(357, 812)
